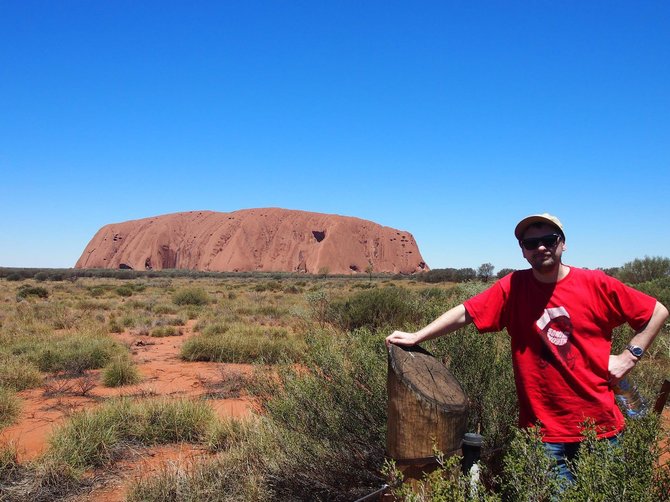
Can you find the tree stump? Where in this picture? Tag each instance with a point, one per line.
(426, 407)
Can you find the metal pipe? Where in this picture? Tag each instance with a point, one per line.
(375, 493)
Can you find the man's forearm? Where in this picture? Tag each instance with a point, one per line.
(646, 336)
(622, 363)
(451, 320)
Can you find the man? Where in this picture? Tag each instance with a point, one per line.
(560, 320)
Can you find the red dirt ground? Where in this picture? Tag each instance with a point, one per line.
(163, 374)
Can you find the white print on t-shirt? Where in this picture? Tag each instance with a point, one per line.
(555, 328)
(556, 336)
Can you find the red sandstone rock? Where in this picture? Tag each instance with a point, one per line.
(271, 240)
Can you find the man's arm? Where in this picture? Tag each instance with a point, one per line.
(450, 321)
(621, 364)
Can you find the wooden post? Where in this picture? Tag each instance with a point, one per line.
(426, 407)
(662, 397)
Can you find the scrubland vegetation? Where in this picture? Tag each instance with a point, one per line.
(319, 386)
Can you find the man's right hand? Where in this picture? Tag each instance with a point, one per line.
(401, 338)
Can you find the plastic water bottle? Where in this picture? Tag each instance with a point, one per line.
(472, 446)
(629, 398)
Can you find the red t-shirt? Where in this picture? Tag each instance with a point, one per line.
(561, 335)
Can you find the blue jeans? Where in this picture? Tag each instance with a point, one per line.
(565, 454)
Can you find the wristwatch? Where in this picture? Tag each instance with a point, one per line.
(636, 351)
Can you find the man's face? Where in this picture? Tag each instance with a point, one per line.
(545, 258)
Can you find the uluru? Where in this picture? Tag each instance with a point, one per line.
(269, 239)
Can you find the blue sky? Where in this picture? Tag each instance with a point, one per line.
(450, 120)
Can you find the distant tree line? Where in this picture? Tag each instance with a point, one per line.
(638, 271)
(634, 272)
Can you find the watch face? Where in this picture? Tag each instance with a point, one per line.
(636, 351)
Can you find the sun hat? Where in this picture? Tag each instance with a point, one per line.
(537, 218)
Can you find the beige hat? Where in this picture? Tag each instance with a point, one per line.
(538, 218)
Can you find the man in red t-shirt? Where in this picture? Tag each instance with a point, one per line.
(560, 321)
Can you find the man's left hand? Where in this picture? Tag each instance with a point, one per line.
(620, 365)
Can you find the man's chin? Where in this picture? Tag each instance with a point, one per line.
(544, 266)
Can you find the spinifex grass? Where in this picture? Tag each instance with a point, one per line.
(245, 344)
(120, 371)
(162, 331)
(18, 373)
(9, 407)
(96, 437)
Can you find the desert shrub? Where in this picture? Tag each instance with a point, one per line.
(376, 308)
(14, 276)
(124, 291)
(119, 372)
(9, 406)
(446, 483)
(28, 291)
(627, 471)
(245, 344)
(162, 331)
(18, 374)
(95, 437)
(482, 363)
(191, 296)
(330, 420)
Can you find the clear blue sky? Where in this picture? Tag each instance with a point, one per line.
(450, 120)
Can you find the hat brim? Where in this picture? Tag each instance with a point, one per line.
(536, 218)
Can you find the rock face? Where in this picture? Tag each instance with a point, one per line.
(271, 240)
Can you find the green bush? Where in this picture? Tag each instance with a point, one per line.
(376, 308)
(28, 291)
(124, 291)
(329, 421)
(191, 296)
(628, 471)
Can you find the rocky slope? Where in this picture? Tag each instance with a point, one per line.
(271, 240)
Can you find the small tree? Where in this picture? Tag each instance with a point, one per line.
(370, 269)
(647, 269)
(485, 272)
(503, 272)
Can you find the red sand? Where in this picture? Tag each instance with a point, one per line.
(164, 374)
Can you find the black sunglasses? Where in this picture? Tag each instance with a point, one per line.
(548, 241)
